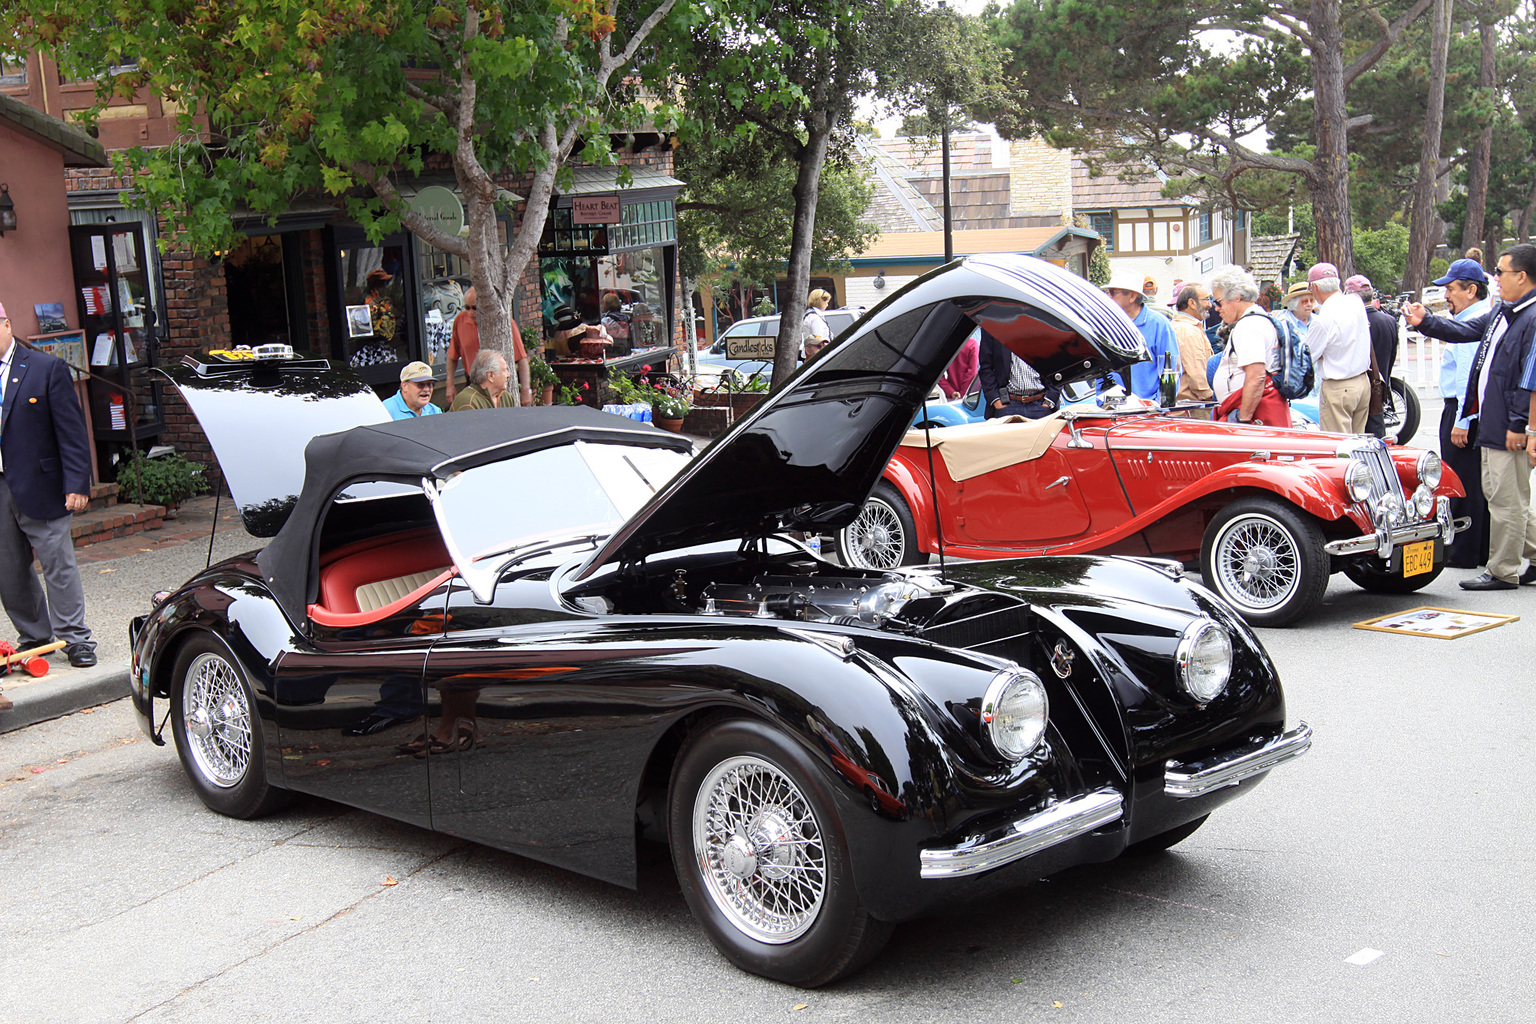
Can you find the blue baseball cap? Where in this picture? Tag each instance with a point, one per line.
(1463, 270)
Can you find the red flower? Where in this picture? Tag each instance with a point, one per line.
(585, 385)
(646, 367)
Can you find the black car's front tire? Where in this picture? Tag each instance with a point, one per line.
(218, 731)
(884, 536)
(1165, 840)
(1265, 558)
(761, 857)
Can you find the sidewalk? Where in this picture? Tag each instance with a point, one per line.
(119, 576)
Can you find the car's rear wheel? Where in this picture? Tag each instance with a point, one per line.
(884, 535)
(1401, 415)
(218, 731)
(761, 857)
(1165, 840)
(1379, 581)
(1266, 559)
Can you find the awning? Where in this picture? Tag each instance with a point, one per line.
(647, 185)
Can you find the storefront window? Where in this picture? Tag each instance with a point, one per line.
(374, 305)
(617, 274)
(638, 281)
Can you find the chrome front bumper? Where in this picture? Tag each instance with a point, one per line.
(1384, 539)
(1064, 821)
(1203, 777)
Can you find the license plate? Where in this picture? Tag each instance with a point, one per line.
(1418, 558)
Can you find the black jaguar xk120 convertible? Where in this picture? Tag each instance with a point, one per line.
(554, 632)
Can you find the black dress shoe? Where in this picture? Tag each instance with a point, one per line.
(81, 655)
(23, 644)
(1487, 582)
(1529, 576)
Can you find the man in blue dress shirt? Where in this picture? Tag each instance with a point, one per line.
(1124, 289)
(415, 395)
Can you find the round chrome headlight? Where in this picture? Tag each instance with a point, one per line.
(1205, 660)
(1357, 479)
(1014, 712)
(1429, 469)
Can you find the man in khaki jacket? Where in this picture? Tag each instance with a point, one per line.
(1190, 307)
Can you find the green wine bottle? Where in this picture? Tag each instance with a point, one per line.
(1169, 382)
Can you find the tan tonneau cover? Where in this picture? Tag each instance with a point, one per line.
(977, 448)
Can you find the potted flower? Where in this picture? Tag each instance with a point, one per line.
(542, 377)
(669, 407)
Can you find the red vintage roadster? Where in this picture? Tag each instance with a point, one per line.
(1269, 512)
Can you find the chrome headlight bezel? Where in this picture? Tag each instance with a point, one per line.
(1429, 469)
(1200, 678)
(1357, 480)
(1012, 728)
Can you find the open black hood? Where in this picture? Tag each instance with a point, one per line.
(808, 457)
(259, 416)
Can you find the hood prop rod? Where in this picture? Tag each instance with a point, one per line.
(933, 487)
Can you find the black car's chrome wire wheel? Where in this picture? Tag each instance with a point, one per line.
(1257, 561)
(876, 539)
(218, 720)
(759, 849)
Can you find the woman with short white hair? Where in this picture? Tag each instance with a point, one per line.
(1242, 383)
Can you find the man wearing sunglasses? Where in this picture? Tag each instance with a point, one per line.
(1498, 396)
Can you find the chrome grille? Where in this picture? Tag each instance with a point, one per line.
(1384, 480)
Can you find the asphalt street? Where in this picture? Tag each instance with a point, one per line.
(1406, 832)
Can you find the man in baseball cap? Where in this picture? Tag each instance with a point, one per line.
(415, 395)
(1124, 289)
(1339, 337)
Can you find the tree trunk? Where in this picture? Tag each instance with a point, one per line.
(1482, 150)
(807, 190)
(1425, 218)
(1330, 190)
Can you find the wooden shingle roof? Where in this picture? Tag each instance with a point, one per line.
(1268, 255)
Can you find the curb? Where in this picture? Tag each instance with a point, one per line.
(37, 700)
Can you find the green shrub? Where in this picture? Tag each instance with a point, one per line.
(163, 480)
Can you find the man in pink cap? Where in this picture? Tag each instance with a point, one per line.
(45, 476)
(1339, 338)
(1383, 343)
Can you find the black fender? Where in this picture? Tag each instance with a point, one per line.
(1125, 617)
(868, 710)
(229, 601)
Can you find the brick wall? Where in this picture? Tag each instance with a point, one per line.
(196, 319)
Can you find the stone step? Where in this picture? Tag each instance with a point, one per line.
(99, 524)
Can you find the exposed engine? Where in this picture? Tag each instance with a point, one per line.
(856, 599)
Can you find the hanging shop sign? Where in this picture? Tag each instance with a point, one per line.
(441, 206)
(595, 210)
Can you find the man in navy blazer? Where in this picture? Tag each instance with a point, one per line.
(45, 476)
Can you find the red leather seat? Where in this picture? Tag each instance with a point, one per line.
(355, 565)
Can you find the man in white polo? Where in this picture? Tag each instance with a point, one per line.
(1339, 337)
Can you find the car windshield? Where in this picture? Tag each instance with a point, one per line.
(579, 489)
